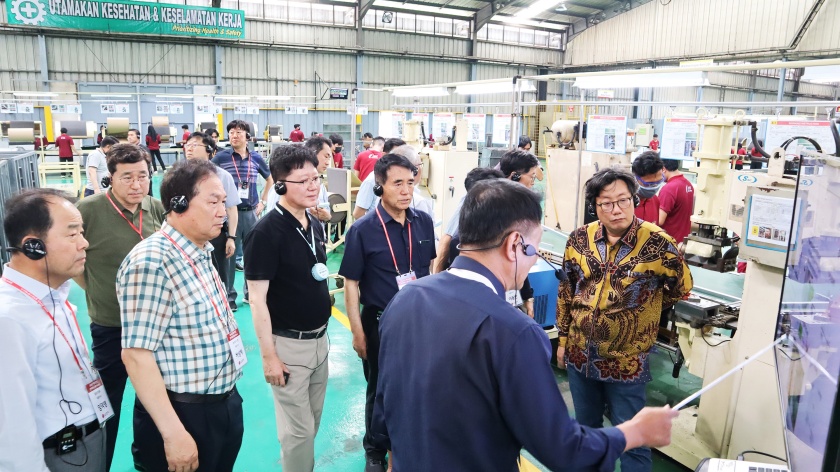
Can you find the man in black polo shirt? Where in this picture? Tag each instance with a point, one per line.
(384, 250)
(285, 267)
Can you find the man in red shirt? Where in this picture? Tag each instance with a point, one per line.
(366, 160)
(676, 202)
(337, 147)
(297, 135)
(654, 144)
(648, 171)
(66, 149)
(186, 136)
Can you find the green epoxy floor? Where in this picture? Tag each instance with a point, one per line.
(338, 445)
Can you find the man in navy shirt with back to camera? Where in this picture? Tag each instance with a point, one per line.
(465, 380)
(389, 248)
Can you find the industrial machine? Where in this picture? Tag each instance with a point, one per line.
(21, 132)
(272, 131)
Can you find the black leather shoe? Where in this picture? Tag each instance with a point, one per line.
(233, 306)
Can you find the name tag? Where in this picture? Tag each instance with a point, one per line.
(237, 349)
(404, 279)
(243, 193)
(99, 400)
(513, 297)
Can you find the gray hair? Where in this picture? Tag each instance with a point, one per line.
(408, 152)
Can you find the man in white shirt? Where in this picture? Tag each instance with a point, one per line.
(97, 166)
(48, 420)
(365, 199)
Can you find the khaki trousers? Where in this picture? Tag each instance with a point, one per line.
(298, 405)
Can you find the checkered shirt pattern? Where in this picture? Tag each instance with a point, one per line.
(165, 309)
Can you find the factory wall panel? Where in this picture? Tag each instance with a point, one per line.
(298, 34)
(818, 90)
(824, 33)
(510, 53)
(84, 60)
(404, 43)
(720, 28)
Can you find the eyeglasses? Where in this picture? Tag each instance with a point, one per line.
(128, 180)
(312, 181)
(623, 203)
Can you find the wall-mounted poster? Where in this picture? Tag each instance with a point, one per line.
(477, 123)
(607, 133)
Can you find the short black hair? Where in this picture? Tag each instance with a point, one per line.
(285, 159)
(390, 144)
(517, 161)
(380, 169)
(524, 141)
(481, 173)
(671, 165)
(647, 163)
(210, 132)
(108, 141)
(28, 212)
(185, 127)
(206, 140)
(63, 130)
(337, 139)
(183, 179)
(126, 153)
(316, 143)
(606, 177)
(494, 208)
(367, 135)
(655, 135)
(238, 124)
(135, 130)
(379, 139)
(297, 126)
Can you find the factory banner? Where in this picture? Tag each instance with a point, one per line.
(120, 16)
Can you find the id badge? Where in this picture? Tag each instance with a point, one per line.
(243, 193)
(513, 297)
(404, 279)
(237, 349)
(99, 400)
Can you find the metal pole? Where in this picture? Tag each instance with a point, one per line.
(139, 114)
(352, 153)
(580, 158)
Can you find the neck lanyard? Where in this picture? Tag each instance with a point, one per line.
(136, 229)
(388, 238)
(57, 326)
(236, 166)
(201, 279)
(312, 237)
(474, 276)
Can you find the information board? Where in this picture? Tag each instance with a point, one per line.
(780, 131)
(424, 118)
(679, 138)
(607, 133)
(501, 129)
(769, 221)
(443, 125)
(476, 126)
(391, 124)
(339, 93)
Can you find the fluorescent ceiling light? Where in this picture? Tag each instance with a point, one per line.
(173, 96)
(526, 22)
(388, 4)
(110, 95)
(279, 98)
(499, 87)
(823, 74)
(662, 79)
(421, 92)
(34, 94)
(536, 8)
(251, 98)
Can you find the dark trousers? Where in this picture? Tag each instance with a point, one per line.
(247, 220)
(220, 262)
(370, 326)
(65, 159)
(88, 192)
(107, 358)
(216, 429)
(156, 153)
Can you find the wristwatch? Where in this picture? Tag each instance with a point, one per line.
(230, 236)
(264, 203)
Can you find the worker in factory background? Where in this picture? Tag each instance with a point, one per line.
(648, 168)
(297, 136)
(654, 143)
(365, 161)
(66, 149)
(676, 202)
(337, 147)
(387, 249)
(465, 380)
(620, 273)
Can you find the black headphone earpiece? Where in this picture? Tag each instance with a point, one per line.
(34, 249)
(210, 149)
(590, 208)
(636, 200)
(280, 188)
(179, 204)
(516, 176)
(378, 190)
(414, 170)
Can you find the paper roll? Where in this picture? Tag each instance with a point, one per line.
(117, 127)
(22, 124)
(161, 125)
(77, 129)
(21, 135)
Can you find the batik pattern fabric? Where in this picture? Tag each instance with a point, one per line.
(609, 306)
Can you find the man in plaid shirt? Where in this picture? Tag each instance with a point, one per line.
(181, 345)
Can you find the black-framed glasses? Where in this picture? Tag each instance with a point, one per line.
(623, 203)
(312, 181)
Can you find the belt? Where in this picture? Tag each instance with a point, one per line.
(292, 334)
(199, 397)
(79, 432)
(245, 208)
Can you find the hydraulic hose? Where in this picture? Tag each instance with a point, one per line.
(834, 122)
(756, 145)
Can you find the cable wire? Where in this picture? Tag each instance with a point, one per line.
(763, 454)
